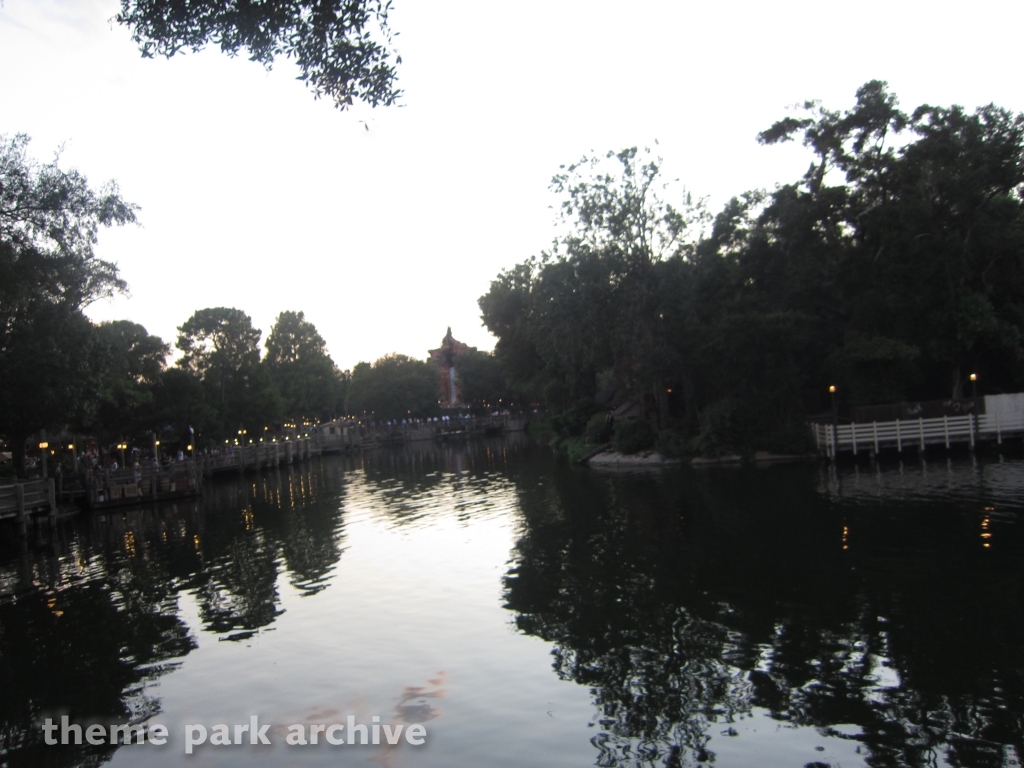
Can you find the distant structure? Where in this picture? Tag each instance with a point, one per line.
(444, 357)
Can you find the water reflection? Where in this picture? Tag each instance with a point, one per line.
(705, 615)
(89, 619)
(691, 604)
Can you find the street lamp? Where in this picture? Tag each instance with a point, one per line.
(42, 447)
(974, 384)
(835, 421)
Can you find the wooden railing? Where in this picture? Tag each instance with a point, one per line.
(903, 433)
(127, 486)
(20, 499)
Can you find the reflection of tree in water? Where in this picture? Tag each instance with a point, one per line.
(105, 622)
(86, 650)
(254, 523)
(240, 587)
(685, 603)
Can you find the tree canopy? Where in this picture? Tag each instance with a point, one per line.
(49, 272)
(394, 387)
(892, 269)
(306, 377)
(343, 49)
(221, 348)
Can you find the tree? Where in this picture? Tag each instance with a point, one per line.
(131, 362)
(593, 305)
(49, 224)
(482, 380)
(221, 348)
(343, 49)
(304, 374)
(394, 387)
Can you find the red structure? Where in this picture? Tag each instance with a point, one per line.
(444, 357)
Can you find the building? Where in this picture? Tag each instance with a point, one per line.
(445, 358)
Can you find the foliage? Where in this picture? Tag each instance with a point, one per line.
(394, 387)
(482, 381)
(632, 436)
(180, 403)
(221, 348)
(672, 444)
(305, 376)
(49, 272)
(597, 430)
(573, 422)
(131, 362)
(342, 49)
(892, 269)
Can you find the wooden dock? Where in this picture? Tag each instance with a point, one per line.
(23, 499)
(144, 485)
(917, 433)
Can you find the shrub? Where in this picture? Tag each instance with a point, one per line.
(671, 444)
(597, 429)
(573, 422)
(720, 432)
(632, 436)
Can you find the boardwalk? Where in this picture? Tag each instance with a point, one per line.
(25, 498)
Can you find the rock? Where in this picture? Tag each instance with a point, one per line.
(641, 459)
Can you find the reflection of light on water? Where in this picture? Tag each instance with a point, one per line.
(129, 543)
(986, 532)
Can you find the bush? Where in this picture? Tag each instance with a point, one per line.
(632, 436)
(573, 422)
(597, 429)
(671, 444)
(720, 432)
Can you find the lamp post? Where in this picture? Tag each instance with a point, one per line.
(43, 446)
(835, 421)
(974, 385)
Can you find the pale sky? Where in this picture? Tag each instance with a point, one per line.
(255, 196)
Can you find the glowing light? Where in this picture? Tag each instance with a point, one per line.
(44, 445)
(832, 389)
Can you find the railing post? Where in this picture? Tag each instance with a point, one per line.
(853, 436)
(999, 432)
(920, 427)
(874, 434)
(19, 491)
(945, 429)
(899, 437)
(973, 422)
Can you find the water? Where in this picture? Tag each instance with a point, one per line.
(528, 612)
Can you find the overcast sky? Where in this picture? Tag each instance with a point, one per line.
(255, 196)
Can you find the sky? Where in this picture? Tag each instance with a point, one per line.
(385, 226)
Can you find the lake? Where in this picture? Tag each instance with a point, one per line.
(529, 612)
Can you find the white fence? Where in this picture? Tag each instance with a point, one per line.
(901, 433)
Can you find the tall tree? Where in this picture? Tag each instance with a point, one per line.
(220, 347)
(131, 362)
(49, 224)
(343, 49)
(304, 374)
(394, 387)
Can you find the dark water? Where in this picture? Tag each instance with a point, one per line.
(532, 613)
